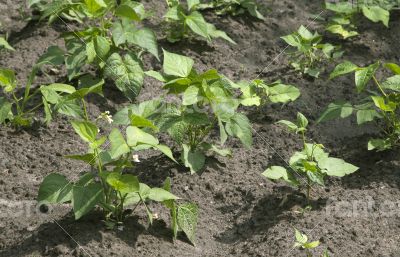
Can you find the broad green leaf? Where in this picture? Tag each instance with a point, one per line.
(290, 125)
(305, 33)
(379, 144)
(146, 39)
(283, 93)
(135, 136)
(343, 68)
(187, 220)
(124, 184)
(69, 108)
(5, 44)
(196, 118)
(292, 40)
(341, 7)
(166, 150)
(156, 75)
(195, 21)
(55, 188)
(144, 109)
(376, 14)
(118, 144)
(366, 113)
(85, 198)
(392, 83)
(94, 5)
(177, 65)
(8, 80)
(302, 121)
(128, 10)
(86, 130)
(161, 195)
(240, 127)
(192, 3)
(381, 104)
(192, 160)
(90, 51)
(191, 95)
(339, 29)
(278, 172)
(76, 58)
(364, 75)
(5, 110)
(127, 74)
(336, 167)
(141, 122)
(102, 47)
(216, 33)
(393, 67)
(222, 132)
(340, 109)
(53, 56)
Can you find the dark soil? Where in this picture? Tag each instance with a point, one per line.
(242, 213)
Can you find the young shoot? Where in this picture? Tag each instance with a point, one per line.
(310, 166)
(303, 243)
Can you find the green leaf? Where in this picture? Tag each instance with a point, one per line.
(278, 172)
(161, 195)
(376, 14)
(146, 39)
(118, 144)
(53, 56)
(290, 125)
(343, 68)
(335, 110)
(102, 47)
(311, 245)
(192, 3)
(94, 5)
(5, 110)
(128, 10)
(240, 127)
(192, 160)
(300, 237)
(86, 130)
(292, 40)
(55, 188)
(124, 184)
(141, 122)
(5, 44)
(283, 93)
(187, 220)
(85, 198)
(166, 150)
(305, 33)
(76, 58)
(195, 21)
(144, 109)
(379, 144)
(392, 83)
(339, 29)
(135, 136)
(364, 75)
(381, 104)
(302, 121)
(191, 95)
(366, 113)
(177, 65)
(127, 74)
(8, 80)
(336, 167)
(216, 33)
(196, 118)
(393, 67)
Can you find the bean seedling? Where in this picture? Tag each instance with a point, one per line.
(310, 52)
(302, 242)
(234, 7)
(381, 104)
(311, 165)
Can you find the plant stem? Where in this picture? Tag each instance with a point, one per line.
(308, 190)
(379, 85)
(84, 109)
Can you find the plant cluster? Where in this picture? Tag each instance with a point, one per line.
(310, 166)
(234, 7)
(182, 20)
(309, 52)
(380, 103)
(343, 22)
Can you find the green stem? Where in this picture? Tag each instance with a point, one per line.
(85, 109)
(17, 103)
(379, 85)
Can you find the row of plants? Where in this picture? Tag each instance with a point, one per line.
(209, 107)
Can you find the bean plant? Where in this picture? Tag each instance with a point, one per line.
(259, 93)
(181, 21)
(343, 22)
(309, 52)
(310, 166)
(114, 47)
(379, 102)
(303, 243)
(234, 7)
(3, 42)
(109, 186)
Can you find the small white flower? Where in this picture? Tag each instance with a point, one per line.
(108, 118)
(135, 158)
(155, 216)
